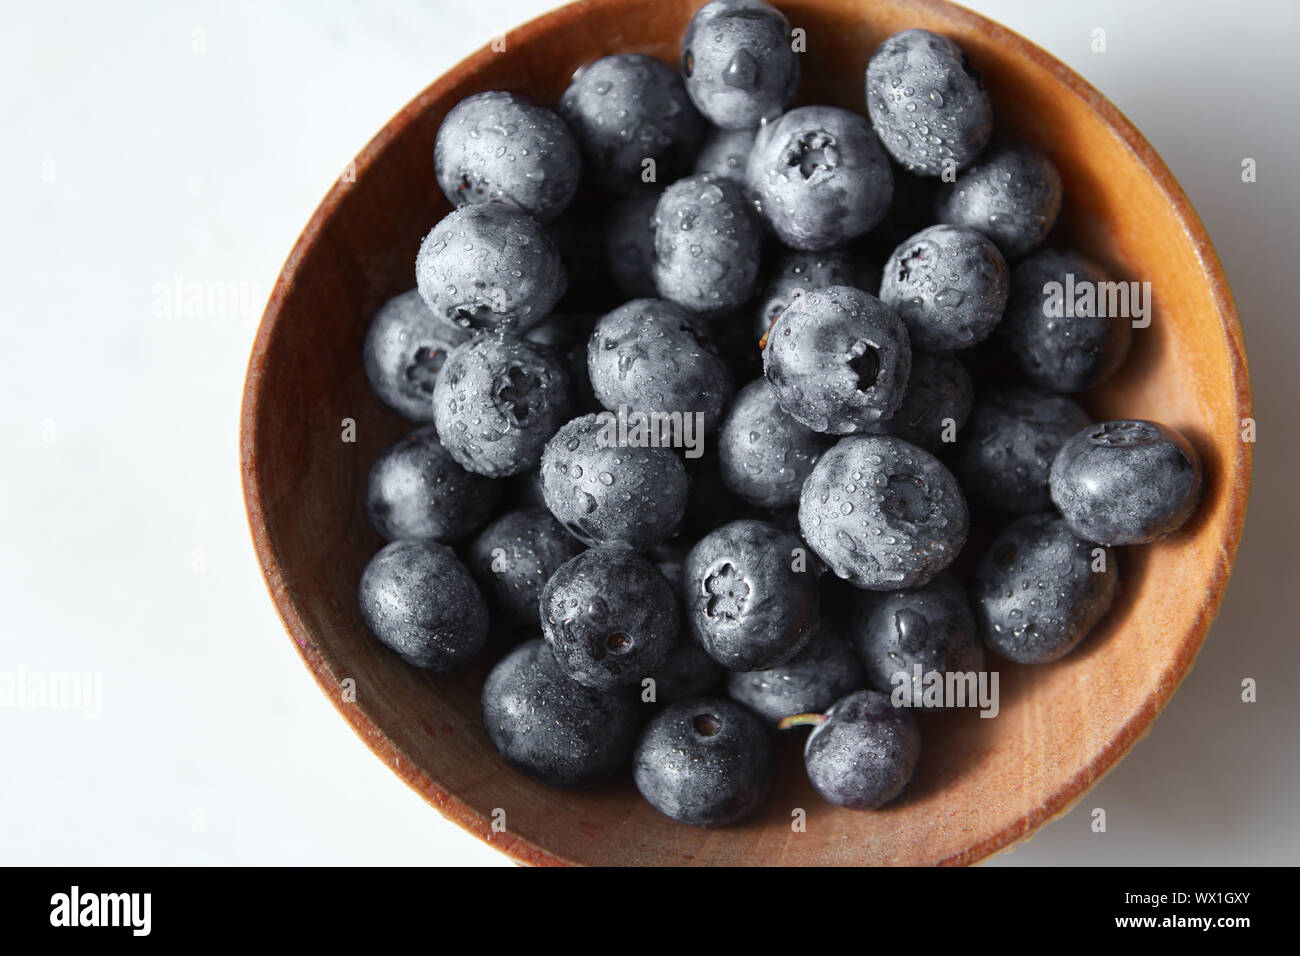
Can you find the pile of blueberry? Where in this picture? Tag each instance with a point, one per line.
(837, 322)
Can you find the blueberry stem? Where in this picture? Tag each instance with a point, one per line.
(801, 720)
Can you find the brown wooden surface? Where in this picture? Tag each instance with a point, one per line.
(982, 784)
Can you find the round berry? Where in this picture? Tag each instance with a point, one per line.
(404, 351)
(739, 64)
(1038, 590)
(927, 102)
(652, 356)
(764, 455)
(626, 109)
(513, 558)
(751, 595)
(417, 490)
(949, 285)
(838, 359)
(687, 671)
(418, 600)
(863, 753)
(1008, 445)
(819, 177)
(489, 267)
(499, 147)
(882, 513)
(706, 762)
(605, 492)
(1052, 329)
(937, 402)
(1012, 195)
(1126, 482)
(797, 273)
(819, 675)
(552, 727)
(706, 245)
(725, 153)
(497, 402)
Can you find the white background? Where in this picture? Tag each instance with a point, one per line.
(132, 160)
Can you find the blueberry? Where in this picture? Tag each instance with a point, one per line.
(417, 490)
(1056, 350)
(652, 356)
(1126, 482)
(513, 558)
(863, 752)
(725, 153)
(567, 334)
(630, 244)
(797, 273)
(626, 109)
(498, 400)
(838, 359)
(949, 285)
(1038, 590)
(937, 402)
(882, 513)
(931, 627)
(819, 675)
(404, 351)
(706, 245)
(746, 604)
(489, 267)
(499, 147)
(706, 762)
(1012, 195)
(819, 177)
(418, 600)
(739, 63)
(764, 455)
(688, 671)
(607, 493)
(552, 727)
(1007, 448)
(927, 102)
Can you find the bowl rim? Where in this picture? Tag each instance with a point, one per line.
(522, 850)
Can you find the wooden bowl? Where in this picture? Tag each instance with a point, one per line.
(983, 784)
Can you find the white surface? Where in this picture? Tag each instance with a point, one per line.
(193, 140)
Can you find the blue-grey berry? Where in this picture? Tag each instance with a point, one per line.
(417, 490)
(725, 153)
(937, 402)
(497, 402)
(1007, 447)
(1012, 195)
(864, 752)
(652, 356)
(566, 333)
(764, 454)
(688, 671)
(500, 147)
(819, 177)
(739, 62)
(707, 241)
(839, 360)
(513, 558)
(404, 351)
(552, 727)
(608, 492)
(630, 244)
(1038, 589)
(489, 267)
(882, 513)
(1126, 482)
(811, 681)
(751, 595)
(705, 761)
(796, 273)
(418, 600)
(930, 627)
(633, 121)
(949, 285)
(1055, 328)
(927, 102)
(609, 616)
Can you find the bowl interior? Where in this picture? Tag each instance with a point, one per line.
(982, 783)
